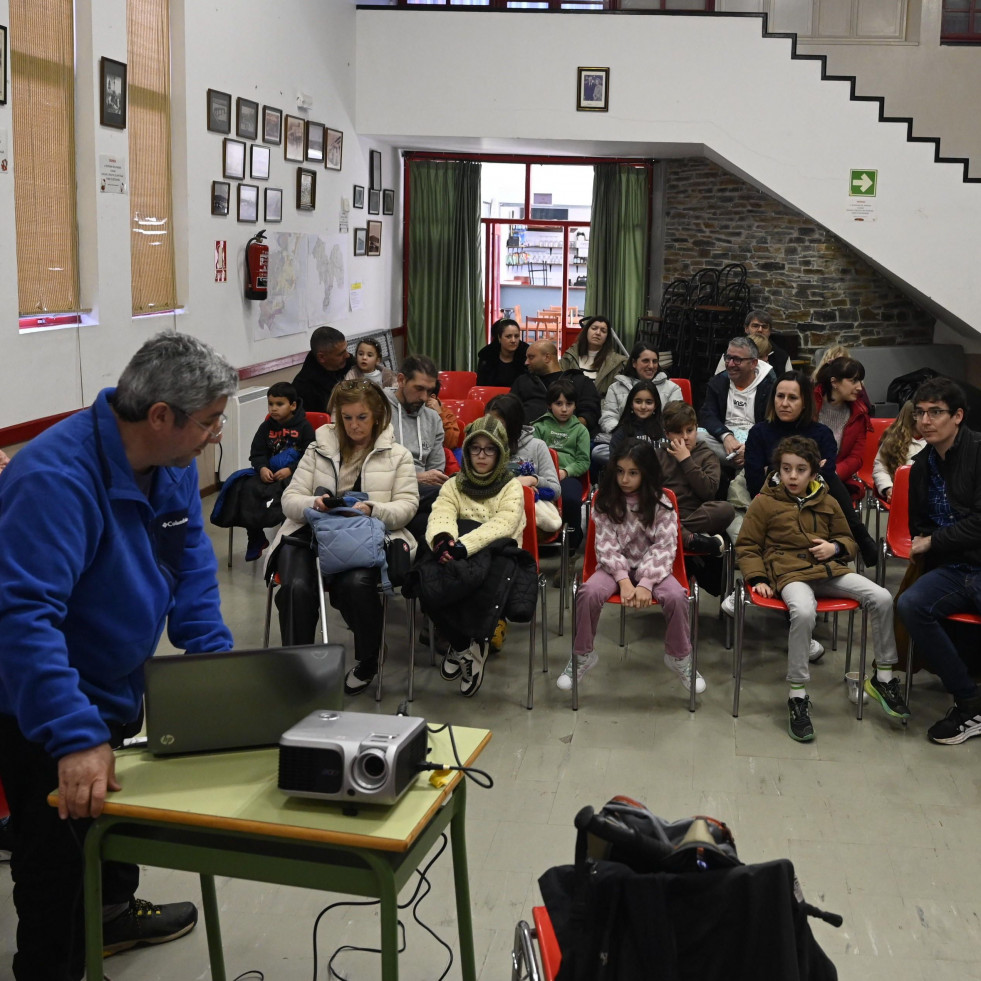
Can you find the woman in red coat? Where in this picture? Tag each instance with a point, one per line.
(842, 409)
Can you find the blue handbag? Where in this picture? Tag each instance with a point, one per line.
(347, 539)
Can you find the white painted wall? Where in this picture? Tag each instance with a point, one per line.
(248, 48)
(679, 84)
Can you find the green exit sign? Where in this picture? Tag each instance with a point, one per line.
(862, 183)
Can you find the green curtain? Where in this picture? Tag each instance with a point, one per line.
(616, 271)
(446, 305)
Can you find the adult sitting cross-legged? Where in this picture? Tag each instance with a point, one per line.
(735, 400)
(945, 521)
(355, 452)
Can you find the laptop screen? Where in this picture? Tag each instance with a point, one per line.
(207, 702)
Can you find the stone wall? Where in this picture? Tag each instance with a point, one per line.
(796, 269)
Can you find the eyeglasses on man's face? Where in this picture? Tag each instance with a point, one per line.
(734, 360)
(935, 412)
(214, 433)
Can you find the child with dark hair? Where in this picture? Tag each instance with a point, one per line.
(636, 542)
(641, 416)
(795, 543)
(368, 365)
(251, 498)
(561, 431)
(693, 472)
(838, 389)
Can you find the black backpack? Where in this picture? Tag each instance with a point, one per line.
(669, 900)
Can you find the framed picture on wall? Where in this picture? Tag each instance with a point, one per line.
(374, 202)
(593, 92)
(293, 144)
(259, 162)
(376, 170)
(3, 65)
(274, 204)
(247, 119)
(272, 125)
(233, 159)
(358, 196)
(219, 111)
(248, 202)
(360, 241)
(388, 201)
(306, 189)
(112, 107)
(334, 151)
(315, 141)
(374, 238)
(220, 193)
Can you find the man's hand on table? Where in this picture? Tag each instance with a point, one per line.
(83, 780)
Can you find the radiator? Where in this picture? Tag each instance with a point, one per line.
(245, 410)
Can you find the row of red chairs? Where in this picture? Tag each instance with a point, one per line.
(463, 385)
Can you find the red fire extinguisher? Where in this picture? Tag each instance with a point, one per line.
(256, 267)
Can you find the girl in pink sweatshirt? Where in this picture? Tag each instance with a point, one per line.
(636, 541)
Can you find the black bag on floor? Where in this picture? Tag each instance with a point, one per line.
(650, 899)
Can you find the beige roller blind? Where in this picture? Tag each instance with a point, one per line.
(151, 195)
(42, 93)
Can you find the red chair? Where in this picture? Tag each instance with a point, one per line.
(456, 384)
(523, 953)
(872, 500)
(685, 385)
(679, 573)
(318, 419)
(466, 410)
(484, 393)
(529, 543)
(899, 539)
(749, 597)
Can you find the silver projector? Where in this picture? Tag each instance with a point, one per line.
(352, 756)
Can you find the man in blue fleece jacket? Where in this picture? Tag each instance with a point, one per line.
(103, 546)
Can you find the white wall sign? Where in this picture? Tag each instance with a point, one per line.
(112, 174)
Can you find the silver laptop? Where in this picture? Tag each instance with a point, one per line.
(207, 702)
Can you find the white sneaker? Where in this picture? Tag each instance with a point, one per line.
(815, 652)
(729, 605)
(682, 668)
(585, 662)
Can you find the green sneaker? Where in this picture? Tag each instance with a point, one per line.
(889, 695)
(800, 727)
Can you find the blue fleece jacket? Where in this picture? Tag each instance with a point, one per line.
(90, 573)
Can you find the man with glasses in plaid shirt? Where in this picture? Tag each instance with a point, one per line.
(945, 522)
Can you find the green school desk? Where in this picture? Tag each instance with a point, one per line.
(222, 814)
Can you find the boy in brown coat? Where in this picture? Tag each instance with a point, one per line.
(693, 472)
(795, 542)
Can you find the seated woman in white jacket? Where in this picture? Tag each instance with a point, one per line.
(356, 452)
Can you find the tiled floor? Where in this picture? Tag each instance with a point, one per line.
(882, 826)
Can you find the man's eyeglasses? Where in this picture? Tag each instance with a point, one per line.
(482, 450)
(213, 434)
(934, 413)
(732, 359)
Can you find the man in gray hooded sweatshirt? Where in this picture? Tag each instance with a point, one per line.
(420, 430)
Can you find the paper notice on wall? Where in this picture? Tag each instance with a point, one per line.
(357, 296)
(221, 261)
(112, 174)
(861, 209)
